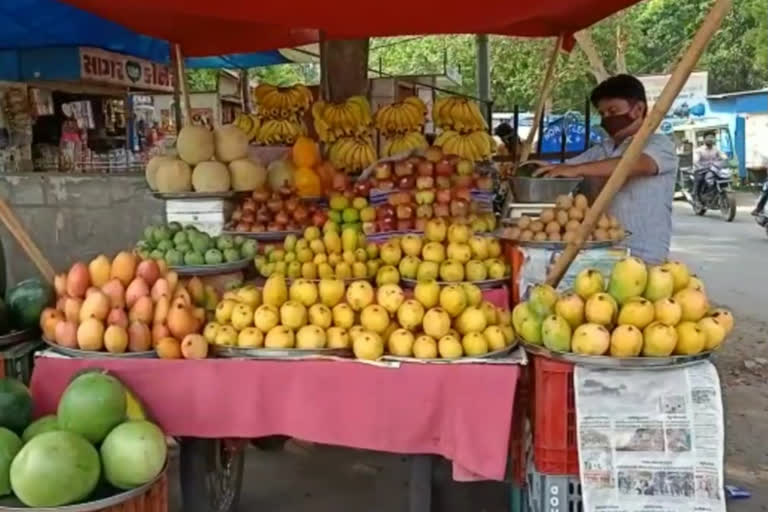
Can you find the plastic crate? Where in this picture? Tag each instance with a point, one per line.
(17, 360)
(554, 493)
(555, 446)
(519, 438)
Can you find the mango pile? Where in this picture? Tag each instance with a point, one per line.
(438, 322)
(652, 311)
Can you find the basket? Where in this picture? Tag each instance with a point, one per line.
(554, 493)
(18, 360)
(555, 447)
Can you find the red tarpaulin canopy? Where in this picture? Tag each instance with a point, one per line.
(205, 27)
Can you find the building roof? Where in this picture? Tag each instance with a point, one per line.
(735, 94)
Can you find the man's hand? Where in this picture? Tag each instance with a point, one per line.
(560, 170)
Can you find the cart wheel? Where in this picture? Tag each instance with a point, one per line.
(211, 475)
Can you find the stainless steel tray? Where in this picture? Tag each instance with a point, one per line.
(486, 284)
(496, 354)
(618, 363)
(289, 280)
(559, 246)
(168, 196)
(263, 236)
(17, 336)
(275, 353)
(541, 190)
(93, 354)
(211, 270)
(105, 496)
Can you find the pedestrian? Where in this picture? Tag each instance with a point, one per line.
(644, 203)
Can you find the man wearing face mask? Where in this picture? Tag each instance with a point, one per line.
(644, 203)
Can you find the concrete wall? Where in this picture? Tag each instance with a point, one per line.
(74, 217)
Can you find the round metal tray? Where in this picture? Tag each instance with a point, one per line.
(93, 354)
(275, 353)
(496, 354)
(557, 246)
(17, 336)
(486, 284)
(175, 196)
(348, 280)
(211, 270)
(105, 496)
(618, 363)
(263, 236)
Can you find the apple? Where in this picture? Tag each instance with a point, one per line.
(300, 214)
(463, 181)
(383, 171)
(425, 168)
(385, 210)
(433, 154)
(405, 197)
(462, 193)
(426, 196)
(406, 182)
(424, 211)
(282, 218)
(274, 226)
(290, 204)
(441, 210)
(393, 199)
(260, 195)
(247, 217)
(423, 182)
(387, 224)
(362, 188)
(403, 168)
(443, 182)
(404, 211)
(484, 182)
(445, 168)
(385, 185)
(369, 228)
(275, 204)
(465, 167)
(404, 224)
(443, 195)
(420, 223)
(258, 228)
(319, 218)
(459, 207)
(339, 182)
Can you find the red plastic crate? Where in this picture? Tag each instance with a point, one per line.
(555, 448)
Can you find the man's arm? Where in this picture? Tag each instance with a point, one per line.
(645, 166)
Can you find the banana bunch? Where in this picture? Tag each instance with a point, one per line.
(282, 102)
(475, 146)
(401, 117)
(404, 143)
(353, 154)
(280, 131)
(458, 114)
(351, 118)
(249, 124)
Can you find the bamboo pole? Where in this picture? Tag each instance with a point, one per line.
(183, 87)
(17, 230)
(676, 82)
(544, 90)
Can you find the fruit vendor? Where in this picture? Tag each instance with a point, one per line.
(644, 203)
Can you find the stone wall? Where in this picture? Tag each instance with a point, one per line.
(74, 217)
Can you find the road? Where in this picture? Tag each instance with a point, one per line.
(727, 256)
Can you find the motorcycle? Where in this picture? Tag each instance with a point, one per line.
(714, 191)
(760, 216)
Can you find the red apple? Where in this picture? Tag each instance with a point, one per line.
(425, 168)
(385, 211)
(258, 228)
(459, 208)
(441, 210)
(463, 181)
(248, 217)
(423, 182)
(445, 168)
(263, 216)
(319, 218)
(274, 226)
(484, 182)
(424, 211)
(249, 204)
(386, 225)
(403, 168)
(275, 204)
(462, 193)
(385, 185)
(362, 188)
(443, 182)
(443, 195)
(404, 224)
(300, 215)
(420, 223)
(433, 154)
(404, 211)
(339, 182)
(406, 182)
(393, 198)
(291, 203)
(383, 170)
(282, 218)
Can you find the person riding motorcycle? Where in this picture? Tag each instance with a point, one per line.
(760, 206)
(705, 156)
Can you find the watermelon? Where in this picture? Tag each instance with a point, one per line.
(40, 426)
(10, 444)
(92, 405)
(15, 405)
(133, 454)
(55, 469)
(26, 301)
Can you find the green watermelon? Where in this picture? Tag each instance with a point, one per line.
(10, 444)
(40, 426)
(15, 405)
(55, 469)
(26, 301)
(92, 405)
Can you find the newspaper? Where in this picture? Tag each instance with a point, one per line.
(650, 440)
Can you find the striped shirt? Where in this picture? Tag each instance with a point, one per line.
(644, 203)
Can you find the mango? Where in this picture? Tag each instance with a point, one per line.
(659, 340)
(542, 300)
(591, 339)
(589, 282)
(694, 304)
(628, 279)
(626, 341)
(600, 309)
(661, 284)
(637, 311)
(570, 306)
(680, 273)
(556, 333)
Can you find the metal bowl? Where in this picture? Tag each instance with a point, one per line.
(542, 190)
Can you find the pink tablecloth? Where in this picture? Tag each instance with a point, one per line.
(462, 412)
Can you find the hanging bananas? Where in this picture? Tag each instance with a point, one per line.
(280, 131)
(401, 117)
(351, 118)
(458, 114)
(282, 102)
(475, 146)
(353, 154)
(249, 124)
(404, 143)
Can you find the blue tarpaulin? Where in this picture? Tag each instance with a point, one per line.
(26, 24)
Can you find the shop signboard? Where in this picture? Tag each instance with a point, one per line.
(690, 103)
(105, 67)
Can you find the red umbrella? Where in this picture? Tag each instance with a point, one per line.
(203, 27)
